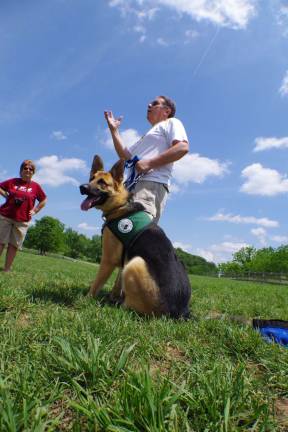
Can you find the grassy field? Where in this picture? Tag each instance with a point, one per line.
(71, 363)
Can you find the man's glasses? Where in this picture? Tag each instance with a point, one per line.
(28, 169)
(156, 103)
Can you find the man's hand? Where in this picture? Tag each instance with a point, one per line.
(143, 166)
(113, 123)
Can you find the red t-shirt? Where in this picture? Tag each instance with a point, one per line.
(21, 199)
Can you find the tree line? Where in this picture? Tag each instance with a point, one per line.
(50, 235)
(265, 260)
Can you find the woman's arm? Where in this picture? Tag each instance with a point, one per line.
(39, 207)
(4, 193)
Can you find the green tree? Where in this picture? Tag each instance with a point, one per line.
(244, 257)
(47, 235)
(195, 264)
(94, 251)
(76, 245)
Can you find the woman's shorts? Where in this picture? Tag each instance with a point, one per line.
(12, 232)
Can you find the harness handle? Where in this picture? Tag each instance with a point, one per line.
(132, 176)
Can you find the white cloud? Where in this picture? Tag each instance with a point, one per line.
(280, 239)
(221, 252)
(237, 219)
(196, 168)
(263, 181)
(129, 137)
(161, 41)
(260, 234)
(174, 188)
(284, 86)
(142, 31)
(191, 35)
(269, 143)
(207, 255)
(85, 227)
(184, 246)
(226, 13)
(58, 135)
(282, 18)
(52, 170)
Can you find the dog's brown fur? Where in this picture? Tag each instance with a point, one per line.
(141, 292)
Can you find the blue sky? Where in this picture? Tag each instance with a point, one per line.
(225, 63)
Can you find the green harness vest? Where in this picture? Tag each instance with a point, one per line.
(126, 228)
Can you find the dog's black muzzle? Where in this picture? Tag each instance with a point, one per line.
(84, 189)
(95, 197)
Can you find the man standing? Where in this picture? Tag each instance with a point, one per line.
(165, 143)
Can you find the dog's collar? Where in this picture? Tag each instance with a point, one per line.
(109, 215)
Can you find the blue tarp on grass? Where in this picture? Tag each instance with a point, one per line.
(273, 330)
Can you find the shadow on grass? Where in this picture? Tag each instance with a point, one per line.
(62, 296)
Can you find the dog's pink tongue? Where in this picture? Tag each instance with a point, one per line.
(86, 204)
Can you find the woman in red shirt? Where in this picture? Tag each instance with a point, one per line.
(16, 213)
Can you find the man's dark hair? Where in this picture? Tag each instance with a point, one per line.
(170, 104)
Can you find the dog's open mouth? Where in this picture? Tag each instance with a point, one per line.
(93, 200)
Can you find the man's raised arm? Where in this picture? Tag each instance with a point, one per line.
(113, 124)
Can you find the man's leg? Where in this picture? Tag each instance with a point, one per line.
(10, 255)
(152, 196)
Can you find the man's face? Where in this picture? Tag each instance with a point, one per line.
(157, 111)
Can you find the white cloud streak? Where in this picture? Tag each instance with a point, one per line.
(280, 239)
(282, 17)
(263, 181)
(58, 135)
(284, 86)
(52, 170)
(237, 219)
(270, 143)
(235, 14)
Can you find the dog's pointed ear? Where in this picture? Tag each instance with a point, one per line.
(97, 165)
(117, 171)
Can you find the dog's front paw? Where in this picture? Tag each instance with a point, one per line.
(116, 299)
(91, 293)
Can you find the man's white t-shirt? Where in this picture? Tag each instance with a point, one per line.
(158, 139)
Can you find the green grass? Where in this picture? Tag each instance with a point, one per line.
(68, 362)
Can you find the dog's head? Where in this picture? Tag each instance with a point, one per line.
(105, 189)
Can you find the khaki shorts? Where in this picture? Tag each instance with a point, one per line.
(152, 196)
(12, 232)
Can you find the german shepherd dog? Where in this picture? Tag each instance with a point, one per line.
(154, 281)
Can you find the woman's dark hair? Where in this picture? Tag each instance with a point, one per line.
(170, 104)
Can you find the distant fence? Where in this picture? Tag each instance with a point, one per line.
(265, 277)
